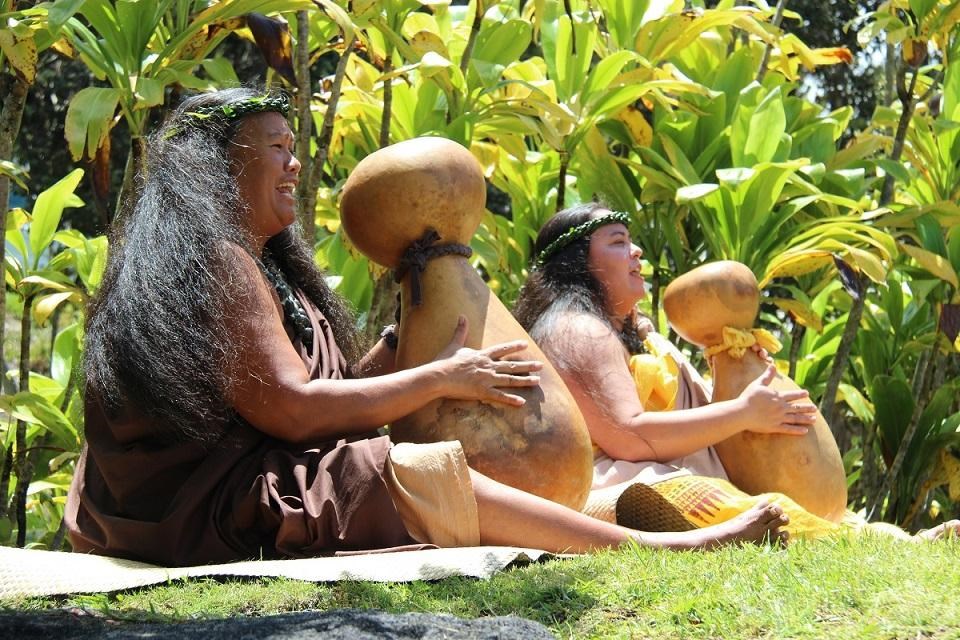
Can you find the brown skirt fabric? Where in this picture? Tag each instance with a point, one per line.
(137, 496)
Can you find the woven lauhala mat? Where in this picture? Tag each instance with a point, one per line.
(28, 572)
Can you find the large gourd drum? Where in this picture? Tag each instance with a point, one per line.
(391, 200)
(808, 468)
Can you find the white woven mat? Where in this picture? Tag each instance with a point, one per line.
(27, 572)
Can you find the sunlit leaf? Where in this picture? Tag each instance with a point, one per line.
(935, 264)
(695, 192)
(48, 210)
(801, 312)
(45, 305)
(90, 116)
(21, 54)
(796, 263)
(858, 403)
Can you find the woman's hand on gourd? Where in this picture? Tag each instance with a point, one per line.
(482, 374)
(771, 411)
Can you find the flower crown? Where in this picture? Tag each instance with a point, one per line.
(580, 231)
(223, 113)
(278, 102)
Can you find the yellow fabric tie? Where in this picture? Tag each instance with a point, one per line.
(737, 341)
(657, 378)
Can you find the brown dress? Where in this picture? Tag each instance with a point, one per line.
(249, 496)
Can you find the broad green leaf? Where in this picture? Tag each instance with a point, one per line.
(802, 312)
(89, 119)
(921, 8)
(91, 260)
(21, 54)
(61, 11)
(48, 388)
(48, 280)
(893, 402)
(48, 210)
(733, 178)
(67, 349)
(796, 263)
(953, 248)
(45, 305)
(868, 263)
(860, 406)
(149, 93)
(35, 409)
(758, 127)
(695, 192)
(935, 264)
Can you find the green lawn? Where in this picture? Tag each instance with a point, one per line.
(866, 588)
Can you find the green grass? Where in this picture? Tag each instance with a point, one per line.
(868, 588)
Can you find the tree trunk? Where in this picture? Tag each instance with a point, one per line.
(383, 306)
(796, 336)
(304, 123)
(10, 119)
(765, 61)
(326, 131)
(919, 384)
(828, 402)
(386, 114)
(562, 179)
(475, 31)
(21, 461)
(129, 193)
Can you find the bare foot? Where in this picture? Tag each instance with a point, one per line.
(949, 529)
(758, 525)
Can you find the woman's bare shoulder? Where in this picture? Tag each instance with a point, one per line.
(581, 340)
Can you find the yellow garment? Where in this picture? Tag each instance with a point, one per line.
(738, 341)
(656, 376)
(707, 501)
(703, 500)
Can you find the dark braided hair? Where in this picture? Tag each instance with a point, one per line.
(156, 334)
(563, 283)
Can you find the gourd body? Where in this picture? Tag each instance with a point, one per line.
(390, 200)
(807, 468)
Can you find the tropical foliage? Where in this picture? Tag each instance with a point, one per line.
(692, 119)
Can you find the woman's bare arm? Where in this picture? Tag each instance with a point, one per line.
(271, 388)
(593, 363)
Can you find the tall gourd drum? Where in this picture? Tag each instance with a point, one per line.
(392, 198)
(698, 305)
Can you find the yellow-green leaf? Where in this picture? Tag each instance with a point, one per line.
(868, 263)
(861, 407)
(45, 283)
(796, 263)
(803, 313)
(21, 54)
(45, 305)
(935, 264)
(695, 192)
(89, 119)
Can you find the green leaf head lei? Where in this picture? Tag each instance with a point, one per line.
(580, 231)
(219, 114)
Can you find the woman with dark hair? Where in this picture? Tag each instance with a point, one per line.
(647, 409)
(227, 413)
(579, 305)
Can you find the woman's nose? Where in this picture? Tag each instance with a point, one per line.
(637, 251)
(294, 164)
